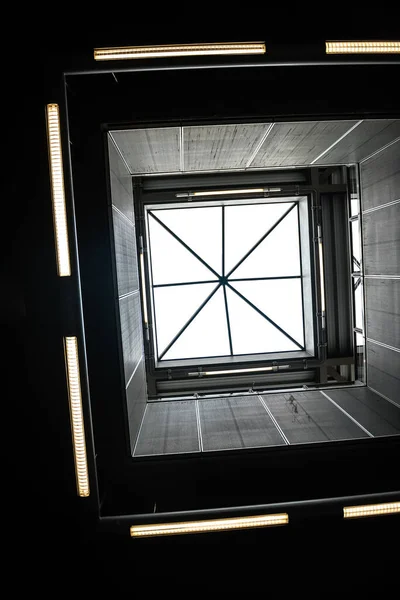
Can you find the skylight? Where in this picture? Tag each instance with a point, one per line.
(226, 280)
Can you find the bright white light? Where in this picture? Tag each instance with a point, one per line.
(392, 47)
(174, 306)
(130, 52)
(209, 525)
(229, 371)
(371, 510)
(280, 299)
(278, 255)
(145, 316)
(57, 190)
(170, 261)
(321, 276)
(251, 333)
(77, 424)
(207, 335)
(358, 298)
(227, 192)
(244, 226)
(355, 234)
(191, 225)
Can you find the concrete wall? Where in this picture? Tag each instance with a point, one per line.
(128, 291)
(380, 203)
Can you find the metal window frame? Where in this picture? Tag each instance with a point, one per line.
(147, 210)
(357, 277)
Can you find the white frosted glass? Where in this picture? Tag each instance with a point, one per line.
(207, 335)
(170, 261)
(173, 308)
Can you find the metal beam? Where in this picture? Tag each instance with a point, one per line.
(228, 322)
(159, 285)
(333, 373)
(266, 278)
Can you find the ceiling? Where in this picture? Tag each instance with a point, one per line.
(244, 147)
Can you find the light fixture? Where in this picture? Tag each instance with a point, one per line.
(77, 424)
(145, 315)
(230, 371)
(392, 47)
(321, 275)
(209, 525)
(57, 190)
(371, 510)
(131, 52)
(227, 192)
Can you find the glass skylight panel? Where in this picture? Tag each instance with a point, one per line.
(278, 255)
(170, 261)
(280, 299)
(226, 314)
(174, 306)
(358, 300)
(252, 333)
(355, 234)
(192, 225)
(245, 225)
(207, 335)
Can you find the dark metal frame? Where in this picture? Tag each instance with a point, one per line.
(223, 280)
(357, 278)
(116, 473)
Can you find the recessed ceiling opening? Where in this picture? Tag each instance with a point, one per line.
(221, 289)
(240, 280)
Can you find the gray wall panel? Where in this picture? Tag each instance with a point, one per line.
(221, 146)
(238, 422)
(296, 424)
(380, 177)
(131, 330)
(384, 371)
(120, 181)
(383, 310)
(372, 411)
(136, 398)
(299, 143)
(118, 166)
(150, 150)
(169, 428)
(381, 230)
(310, 417)
(335, 424)
(125, 254)
(128, 283)
(366, 138)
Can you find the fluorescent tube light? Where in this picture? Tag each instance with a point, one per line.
(145, 316)
(57, 190)
(321, 269)
(321, 274)
(131, 52)
(226, 192)
(209, 525)
(77, 424)
(371, 510)
(392, 47)
(230, 371)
